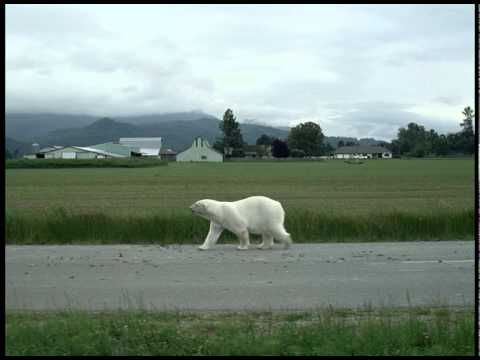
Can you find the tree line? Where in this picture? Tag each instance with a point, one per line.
(307, 139)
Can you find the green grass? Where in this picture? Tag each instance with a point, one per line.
(385, 331)
(83, 163)
(62, 227)
(324, 201)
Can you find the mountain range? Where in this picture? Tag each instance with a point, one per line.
(176, 129)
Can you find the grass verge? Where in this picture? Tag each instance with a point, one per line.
(60, 226)
(83, 163)
(385, 331)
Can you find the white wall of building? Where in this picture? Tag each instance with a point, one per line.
(200, 151)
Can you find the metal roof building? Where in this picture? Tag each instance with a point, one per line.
(76, 152)
(147, 146)
(115, 148)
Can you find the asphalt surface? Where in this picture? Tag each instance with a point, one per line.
(183, 278)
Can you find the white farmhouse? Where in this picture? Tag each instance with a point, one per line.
(362, 152)
(200, 151)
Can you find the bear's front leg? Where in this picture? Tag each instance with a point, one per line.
(244, 239)
(212, 237)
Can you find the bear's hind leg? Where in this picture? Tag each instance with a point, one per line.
(267, 242)
(284, 237)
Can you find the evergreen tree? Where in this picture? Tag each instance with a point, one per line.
(231, 144)
(466, 136)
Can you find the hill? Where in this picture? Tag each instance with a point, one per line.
(177, 130)
(177, 134)
(17, 148)
(31, 127)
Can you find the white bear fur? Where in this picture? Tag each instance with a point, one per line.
(256, 214)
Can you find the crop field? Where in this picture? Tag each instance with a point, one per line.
(324, 200)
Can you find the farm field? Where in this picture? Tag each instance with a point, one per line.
(311, 192)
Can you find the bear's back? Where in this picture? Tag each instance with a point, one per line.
(260, 211)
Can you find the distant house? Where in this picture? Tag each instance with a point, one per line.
(362, 152)
(76, 152)
(143, 146)
(201, 151)
(168, 154)
(257, 151)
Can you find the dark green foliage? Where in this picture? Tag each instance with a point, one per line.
(280, 149)
(231, 143)
(265, 140)
(307, 137)
(416, 141)
(467, 137)
(327, 331)
(297, 153)
(83, 163)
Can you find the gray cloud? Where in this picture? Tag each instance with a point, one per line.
(359, 70)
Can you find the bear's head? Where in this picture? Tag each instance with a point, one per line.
(200, 207)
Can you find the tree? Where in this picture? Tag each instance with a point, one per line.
(340, 144)
(280, 149)
(231, 143)
(412, 140)
(265, 140)
(440, 146)
(307, 137)
(466, 136)
(297, 153)
(328, 149)
(7, 154)
(468, 121)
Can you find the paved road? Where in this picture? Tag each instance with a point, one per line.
(223, 278)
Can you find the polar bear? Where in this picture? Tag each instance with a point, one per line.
(256, 214)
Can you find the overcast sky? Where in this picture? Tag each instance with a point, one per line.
(357, 70)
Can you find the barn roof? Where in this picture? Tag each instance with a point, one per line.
(205, 142)
(361, 149)
(114, 148)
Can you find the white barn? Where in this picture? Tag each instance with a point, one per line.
(200, 151)
(74, 152)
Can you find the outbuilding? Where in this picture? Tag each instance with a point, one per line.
(168, 154)
(144, 146)
(201, 151)
(78, 152)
